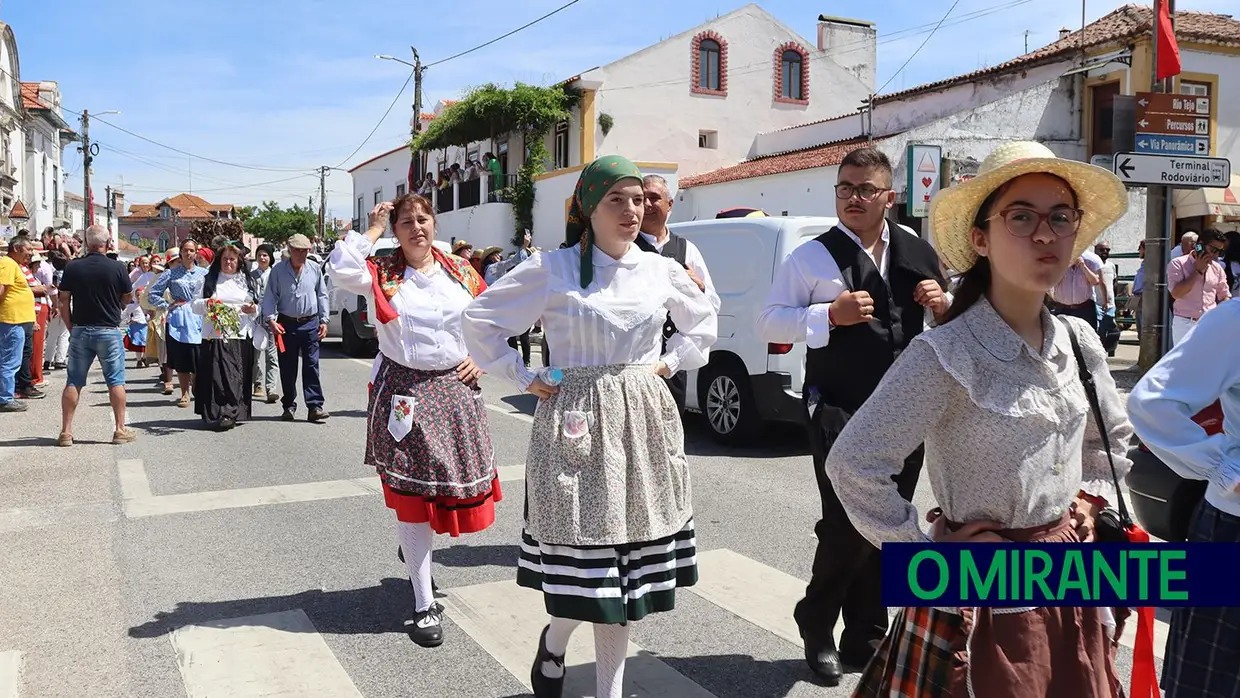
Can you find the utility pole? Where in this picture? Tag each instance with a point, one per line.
(1158, 228)
(108, 191)
(416, 122)
(323, 200)
(86, 160)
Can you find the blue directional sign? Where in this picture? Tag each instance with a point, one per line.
(1161, 144)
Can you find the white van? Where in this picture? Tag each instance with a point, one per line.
(349, 318)
(748, 381)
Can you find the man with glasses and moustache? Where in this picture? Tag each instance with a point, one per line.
(857, 296)
(1197, 282)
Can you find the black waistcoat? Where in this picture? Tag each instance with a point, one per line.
(849, 368)
(676, 248)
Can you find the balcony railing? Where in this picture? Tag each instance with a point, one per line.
(470, 193)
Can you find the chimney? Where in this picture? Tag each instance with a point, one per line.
(118, 205)
(1064, 32)
(852, 44)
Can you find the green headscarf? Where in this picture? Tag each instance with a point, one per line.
(596, 180)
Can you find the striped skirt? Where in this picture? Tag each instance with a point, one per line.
(1203, 644)
(609, 583)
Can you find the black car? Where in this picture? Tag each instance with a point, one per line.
(1162, 501)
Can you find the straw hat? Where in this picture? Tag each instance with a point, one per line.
(456, 249)
(491, 250)
(1101, 197)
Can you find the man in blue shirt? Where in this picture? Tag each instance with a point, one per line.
(295, 305)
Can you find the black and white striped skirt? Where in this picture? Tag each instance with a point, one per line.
(609, 583)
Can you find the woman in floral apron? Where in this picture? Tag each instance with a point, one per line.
(427, 432)
(1013, 451)
(609, 519)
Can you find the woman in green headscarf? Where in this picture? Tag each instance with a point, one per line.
(606, 477)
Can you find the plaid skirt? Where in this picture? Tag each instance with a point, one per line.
(999, 652)
(1203, 644)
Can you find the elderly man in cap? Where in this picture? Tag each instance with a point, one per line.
(295, 305)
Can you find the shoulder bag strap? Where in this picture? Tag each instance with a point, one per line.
(1091, 392)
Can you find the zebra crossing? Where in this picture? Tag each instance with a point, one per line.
(283, 654)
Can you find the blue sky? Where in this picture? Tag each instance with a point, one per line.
(288, 85)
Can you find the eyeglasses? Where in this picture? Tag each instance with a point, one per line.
(1216, 251)
(1024, 222)
(865, 192)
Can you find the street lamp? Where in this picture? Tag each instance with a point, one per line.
(385, 57)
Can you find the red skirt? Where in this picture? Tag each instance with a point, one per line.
(448, 515)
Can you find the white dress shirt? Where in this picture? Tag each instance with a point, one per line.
(804, 287)
(695, 261)
(426, 335)
(1189, 378)
(232, 290)
(618, 319)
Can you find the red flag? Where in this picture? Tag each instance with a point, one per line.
(90, 208)
(1164, 36)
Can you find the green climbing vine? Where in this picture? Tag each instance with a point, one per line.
(523, 193)
(491, 110)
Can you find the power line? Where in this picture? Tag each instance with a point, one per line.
(381, 120)
(505, 36)
(919, 48)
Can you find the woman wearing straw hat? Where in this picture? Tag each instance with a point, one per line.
(607, 483)
(1013, 451)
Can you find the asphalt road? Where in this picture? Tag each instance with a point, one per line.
(262, 562)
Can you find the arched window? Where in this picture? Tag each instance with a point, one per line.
(134, 238)
(710, 64)
(791, 67)
(163, 241)
(792, 74)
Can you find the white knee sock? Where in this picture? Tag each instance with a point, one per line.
(611, 646)
(557, 643)
(417, 540)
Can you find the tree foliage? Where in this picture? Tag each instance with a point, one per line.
(245, 213)
(491, 109)
(276, 225)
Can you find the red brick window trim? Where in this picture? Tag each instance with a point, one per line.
(790, 69)
(709, 64)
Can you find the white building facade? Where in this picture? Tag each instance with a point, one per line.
(45, 137)
(688, 104)
(1048, 95)
(12, 135)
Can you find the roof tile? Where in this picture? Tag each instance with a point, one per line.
(820, 156)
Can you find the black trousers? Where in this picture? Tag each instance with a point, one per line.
(1087, 311)
(524, 339)
(678, 384)
(847, 574)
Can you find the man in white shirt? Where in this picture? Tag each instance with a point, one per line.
(655, 237)
(1104, 298)
(857, 296)
(1074, 294)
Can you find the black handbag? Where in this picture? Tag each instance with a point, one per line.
(1112, 524)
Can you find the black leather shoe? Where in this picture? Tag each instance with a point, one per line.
(824, 660)
(426, 628)
(544, 686)
(290, 415)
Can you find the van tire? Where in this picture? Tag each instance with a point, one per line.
(350, 342)
(728, 404)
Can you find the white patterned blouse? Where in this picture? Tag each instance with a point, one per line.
(1008, 430)
(618, 319)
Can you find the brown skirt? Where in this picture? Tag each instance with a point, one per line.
(997, 652)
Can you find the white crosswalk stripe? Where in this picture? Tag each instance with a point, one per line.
(277, 654)
(10, 673)
(507, 620)
(282, 653)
